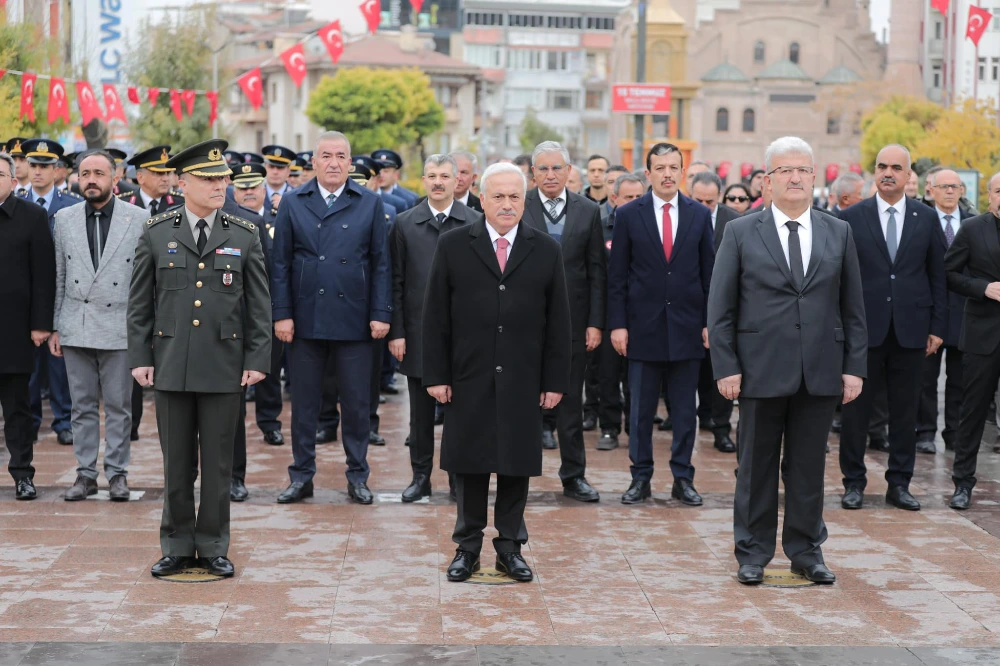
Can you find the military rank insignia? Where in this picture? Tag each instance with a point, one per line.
(227, 278)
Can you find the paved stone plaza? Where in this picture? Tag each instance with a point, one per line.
(614, 584)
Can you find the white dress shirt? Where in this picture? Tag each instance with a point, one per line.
(325, 193)
(956, 218)
(193, 221)
(883, 216)
(561, 197)
(495, 235)
(146, 199)
(805, 234)
(658, 205)
(446, 211)
(464, 199)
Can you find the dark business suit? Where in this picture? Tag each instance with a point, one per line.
(927, 408)
(791, 343)
(662, 304)
(612, 367)
(905, 301)
(267, 392)
(582, 244)
(972, 263)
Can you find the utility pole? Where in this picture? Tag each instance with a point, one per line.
(640, 77)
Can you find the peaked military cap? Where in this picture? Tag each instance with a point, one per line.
(278, 155)
(360, 173)
(253, 158)
(246, 176)
(68, 160)
(154, 159)
(42, 151)
(13, 146)
(233, 157)
(372, 165)
(202, 159)
(307, 160)
(119, 155)
(388, 158)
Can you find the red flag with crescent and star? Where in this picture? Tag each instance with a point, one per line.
(188, 96)
(371, 10)
(133, 94)
(113, 104)
(87, 100)
(979, 18)
(58, 101)
(28, 96)
(295, 62)
(252, 85)
(213, 106)
(175, 104)
(333, 39)
(941, 6)
(153, 93)
(417, 4)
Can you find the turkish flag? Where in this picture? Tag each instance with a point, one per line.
(175, 104)
(417, 4)
(188, 97)
(89, 108)
(723, 170)
(979, 18)
(746, 169)
(153, 94)
(940, 5)
(295, 62)
(113, 104)
(58, 101)
(133, 94)
(333, 38)
(2, 72)
(28, 96)
(213, 106)
(832, 171)
(856, 168)
(371, 10)
(253, 87)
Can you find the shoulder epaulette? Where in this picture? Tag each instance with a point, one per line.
(232, 219)
(71, 194)
(170, 215)
(175, 193)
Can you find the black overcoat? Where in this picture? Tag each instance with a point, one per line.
(27, 282)
(499, 340)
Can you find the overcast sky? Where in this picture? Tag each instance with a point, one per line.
(879, 10)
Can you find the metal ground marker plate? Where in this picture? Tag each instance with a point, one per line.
(192, 575)
(784, 578)
(490, 576)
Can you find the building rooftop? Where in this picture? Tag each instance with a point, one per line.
(840, 75)
(784, 69)
(725, 73)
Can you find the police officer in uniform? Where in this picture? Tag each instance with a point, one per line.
(278, 161)
(21, 172)
(307, 166)
(392, 164)
(199, 332)
(295, 173)
(124, 187)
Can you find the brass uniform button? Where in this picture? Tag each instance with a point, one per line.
(197, 304)
(160, 334)
(196, 322)
(201, 266)
(227, 266)
(234, 336)
(198, 284)
(171, 264)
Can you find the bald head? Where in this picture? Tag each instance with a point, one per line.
(947, 190)
(994, 193)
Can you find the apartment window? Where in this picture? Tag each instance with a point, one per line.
(298, 143)
(758, 52)
(936, 76)
(483, 18)
(274, 92)
(996, 18)
(749, 120)
(982, 69)
(722, 120)
(938, 27)
(525, 59)
(526, 21)
(833, 124)
(484, 55)
(565, 22)
(444, 95)
(260, 139)
(564, 100)
(595, 99)
(793, 52)
(994, 69)
(556, 61)
(523, 98)
(600, 23)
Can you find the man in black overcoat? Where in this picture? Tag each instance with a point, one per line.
(496, 350)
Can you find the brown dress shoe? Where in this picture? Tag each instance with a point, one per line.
(118, 488)
(81, 489)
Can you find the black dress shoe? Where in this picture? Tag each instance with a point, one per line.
(900, 497)
(878, 444)
(926, 447)
(835, 426)
(750, 574)
(133, 436)
(359, 493)
(171, 564)
(389, 390)
(684, 491)
(381, 400)
(463, 566)
(296, 492)
(274, 437)
(118, 488)
(725, 444)
(667, 424)
(406, 442)
(608, 441)
(65, 437)
(326, 435)
(817, 573)
(549, 440)
(961, 499)
(375, 439)
(438, 415)
(452, 495)
(218, 566)
(853, 498)
(238, 490)
(657, 420)
(25, 490)
(637, 492)
(580, 490)
(419, 488)
(514, 566)
(589, 423)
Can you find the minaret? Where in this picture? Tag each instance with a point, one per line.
(903, 66)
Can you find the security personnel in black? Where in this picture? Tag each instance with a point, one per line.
(199, 331)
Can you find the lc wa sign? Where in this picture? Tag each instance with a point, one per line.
(641, 98)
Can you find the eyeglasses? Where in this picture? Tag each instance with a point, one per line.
(787, 171)
(554, 169)
(947, 188)
(731, 198)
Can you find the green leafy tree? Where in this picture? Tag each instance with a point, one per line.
(377, 108)
(25, 48)
(902, 120)
(533, 131)
(173, 54)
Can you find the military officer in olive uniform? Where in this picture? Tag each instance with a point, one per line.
(124, 187)
(199, 331)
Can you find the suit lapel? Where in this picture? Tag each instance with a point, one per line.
(116, 232)
(533, 214)
(314, 200)
(569, 220)
(992, 242)
(524, 243)
(908, 228)
(183, 234)
(648, 217)
(217, 238)
(769, 234)
(875, 227)
(819, 234)
(483, 247)
(79, 234)
(683, 224)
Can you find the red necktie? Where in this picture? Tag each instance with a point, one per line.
(668, 237)
(502, 244)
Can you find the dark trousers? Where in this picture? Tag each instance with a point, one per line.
(980, 374)
(592, 384)
(421, 427)
(927, 408)
(329, 413)
(645, 380)
(569, 422)
(59, 398)
(136, 406)
(268, 392)
(613, 378)
(388, 366)
(711, 405)
(240, 440)
(901, 369)
(17, 427)
(878, 424)
(804, 422)
(473, 494)
(352, 363)
(378, 347)
(193, 424)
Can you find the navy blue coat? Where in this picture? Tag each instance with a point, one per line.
(332, 270)
(397, 204)
(663, 305)
(910, 292)
(406, 195)
(59, 200)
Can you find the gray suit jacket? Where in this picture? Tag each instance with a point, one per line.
(90, 306)
(761, 326)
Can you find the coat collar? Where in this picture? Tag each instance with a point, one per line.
(314, 200)
(483, 247)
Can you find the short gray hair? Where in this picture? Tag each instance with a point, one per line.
(846, 184)
(467, 155)
(786, 145)
(331, 135)
(928, 177)
(9, 160)
(706, 178)
(628, 178)
(441, 160)
(549, 147)
(699, 163)
(641, 175)
(498, 168)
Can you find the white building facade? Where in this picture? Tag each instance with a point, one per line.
(952, 67)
